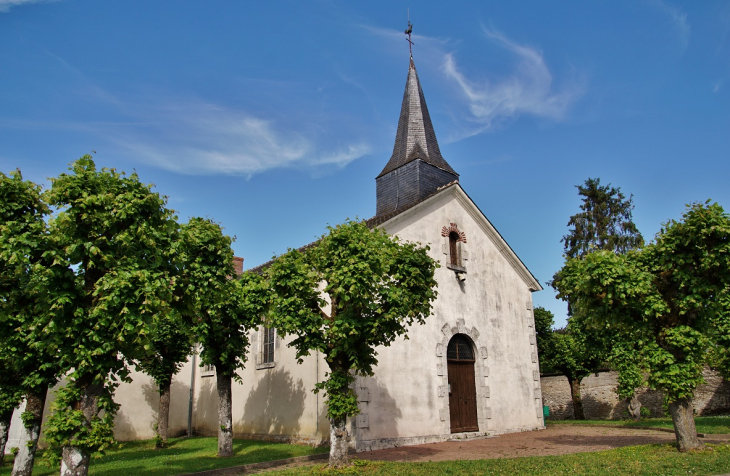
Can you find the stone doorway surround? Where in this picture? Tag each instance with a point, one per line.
(481, 375)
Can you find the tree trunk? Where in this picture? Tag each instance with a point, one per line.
(634, 408)
(225, 416)
(684, 425)
(75, 459)
(4, 429)
(338, 442)
(29, 432)
(577, 403)
(163, 415)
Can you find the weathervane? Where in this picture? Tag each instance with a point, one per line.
(408, 32)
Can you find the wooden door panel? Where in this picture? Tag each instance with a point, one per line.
(462, 397)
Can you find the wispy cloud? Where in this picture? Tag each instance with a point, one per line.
(678, 19)
(188, 135)
(528, 90)
(203, 138)
(6, 5)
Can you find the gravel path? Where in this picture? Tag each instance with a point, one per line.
(555, 440)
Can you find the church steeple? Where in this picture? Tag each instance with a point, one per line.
(416, 169)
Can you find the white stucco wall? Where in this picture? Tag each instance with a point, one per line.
(407, 399)
(272, 401)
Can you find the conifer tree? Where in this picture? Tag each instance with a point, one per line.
(605, 222)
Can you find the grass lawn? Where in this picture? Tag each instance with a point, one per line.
(182, 455)
(709, 425)
(631, 460)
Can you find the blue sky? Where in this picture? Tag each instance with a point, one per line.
(273, 118)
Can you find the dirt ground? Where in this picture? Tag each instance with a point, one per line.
(555, 440)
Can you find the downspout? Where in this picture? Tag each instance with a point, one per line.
(192, 392)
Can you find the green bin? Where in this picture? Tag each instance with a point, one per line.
(545, 411)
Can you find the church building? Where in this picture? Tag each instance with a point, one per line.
(470, 370)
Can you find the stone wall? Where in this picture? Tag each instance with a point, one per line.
(600, 400)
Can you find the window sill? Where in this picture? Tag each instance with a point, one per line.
(207, 374)
(267, 365)
(460, 269)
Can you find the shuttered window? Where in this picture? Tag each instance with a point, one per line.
(267, 345)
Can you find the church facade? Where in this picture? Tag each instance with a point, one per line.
(471, 369)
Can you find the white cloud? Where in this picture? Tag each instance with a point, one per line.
(187, 135)
(6, 5)
(528, 90)
(201, 138)
(678, 19)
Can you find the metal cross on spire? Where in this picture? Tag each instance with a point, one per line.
(408, 32)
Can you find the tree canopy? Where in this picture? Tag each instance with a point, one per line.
(673, 296)
(112, 238)
(353, 290)
(605, 221)
(226, 308)
(28, 368)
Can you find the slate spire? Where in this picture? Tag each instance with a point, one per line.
(415, 138)
(416, 169)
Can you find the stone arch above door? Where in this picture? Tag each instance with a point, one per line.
(481, 371)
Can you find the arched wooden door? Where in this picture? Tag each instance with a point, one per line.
(462, 387)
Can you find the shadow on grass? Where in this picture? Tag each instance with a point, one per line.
(180, 456)
(197, 454)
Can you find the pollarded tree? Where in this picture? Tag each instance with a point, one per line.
(113, 236)
(226, 308)
(577, 354)
(170, 346)
(25, 303)
(354, 290)
(673, 297)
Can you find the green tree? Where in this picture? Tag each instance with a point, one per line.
(354, 290)
(605, 222)
(545, 334)
(170, 346)
(28, 367)
(625, 357)
(673, 297)
(226, 308)
(578, 353)
(112, 238)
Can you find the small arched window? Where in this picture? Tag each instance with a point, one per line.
(454, 248)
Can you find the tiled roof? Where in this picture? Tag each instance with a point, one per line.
(415, 138)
